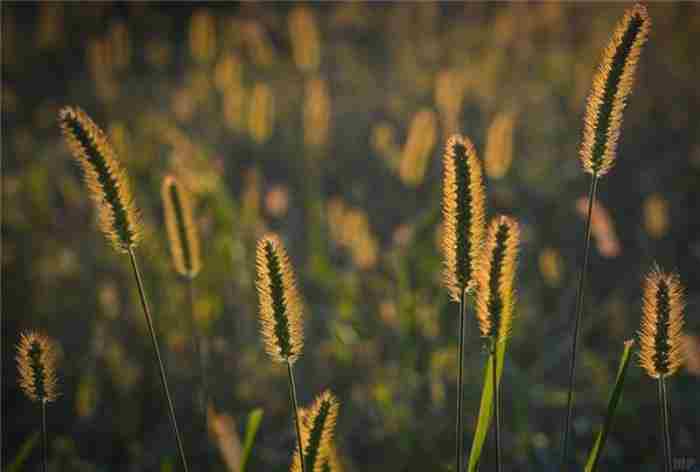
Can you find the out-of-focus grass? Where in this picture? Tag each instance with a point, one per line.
(305, 130)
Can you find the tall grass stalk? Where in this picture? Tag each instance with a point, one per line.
(612, 85)
(660, 339)
(463, 214)
(295, 409)
(36, 363)
(159, 361)
(497, 402)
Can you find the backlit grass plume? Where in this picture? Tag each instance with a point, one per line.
(280, 306)
(660, 339)
(36, 362)
(318, 424)
(463, 233)
(182, 232)
(495, 297)
(463, 211)
(661, 352)
(612, 85)
(104, 176)
(495, 300)
(280, 315)
(109, 188)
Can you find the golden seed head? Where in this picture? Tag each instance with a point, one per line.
(495, 297)
(612, 85)
(660, 332)
(36, 362)
(280, 305)
(182, 232)
(104, 176)
(415, 155)
(463, 211)
(317, 427)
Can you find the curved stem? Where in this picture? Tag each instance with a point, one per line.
(156, 350)
(460, 384)
(295, 407)
(44, 438)
(665, 429)
(497, 404)
(577, 322)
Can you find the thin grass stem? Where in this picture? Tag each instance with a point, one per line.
(577, 321)
(497, 404)
(460, 385)
(665, 429)
(199, 352)
(295, 407)
(44, 438)
(156, 349)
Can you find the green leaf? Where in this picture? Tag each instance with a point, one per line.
(251, 429)
(23, 453)
(486, 407)
(597, 450)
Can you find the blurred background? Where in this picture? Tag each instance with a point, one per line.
(326, 123)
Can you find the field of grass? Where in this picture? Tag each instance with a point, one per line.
(328, 127)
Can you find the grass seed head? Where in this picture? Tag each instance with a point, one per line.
(36, 362)
(463, 212)
(104, 176)
(612, 85)
(660, 333)
(317, 428)
(182, 232)
(495, 297)
(280, 305)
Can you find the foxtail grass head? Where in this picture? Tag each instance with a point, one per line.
(36, 362)
(280, 305)
(317, 427)
(495, 297)
(182, 232)
(612, 85)
(104, 176)
(463, 212)
(660, 333)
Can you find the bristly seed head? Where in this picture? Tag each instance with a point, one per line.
(495, 297)
(611, 87)
(317, 427)
(280, 305)
(463, 212)
(182, 232)
(660, 333)
(36, 362)
(104, 176)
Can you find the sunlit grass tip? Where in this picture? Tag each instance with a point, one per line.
(36, 362)
(182, 232)
(463, 212)
(106, 179)
(660, 333)
(612, 85)
(280, 305)
(495, 297)
(318, 425)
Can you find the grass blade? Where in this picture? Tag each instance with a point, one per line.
(251, 430)
(597, 450)
(486, 407)
(26, 449)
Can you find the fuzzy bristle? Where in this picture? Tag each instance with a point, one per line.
(660, 333)
(612, 85)
(104, 176)
(280, 305)
(463, 212)
(495, 297)
(182, 232)
(317, 428)
(36, 362)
